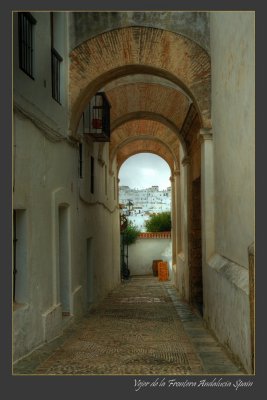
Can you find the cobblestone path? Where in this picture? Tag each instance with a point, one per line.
(141, 328)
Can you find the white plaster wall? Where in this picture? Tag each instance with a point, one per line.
(225, 274)
(144, 251)
(35, 95)
(45, 176)
(233, 111)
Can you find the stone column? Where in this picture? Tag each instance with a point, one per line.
(173, 214)
(177, 232)
(207, 195)
(185, 221)
(177, 189)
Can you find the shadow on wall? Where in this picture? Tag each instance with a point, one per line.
(166, 255)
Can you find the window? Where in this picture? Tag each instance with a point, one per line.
(26, 42)
(56, 60)
(92, 175)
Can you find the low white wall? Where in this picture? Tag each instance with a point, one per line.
(144, 251)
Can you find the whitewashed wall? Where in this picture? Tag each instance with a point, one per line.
(226, 283)
(45, 177)
(144, 251)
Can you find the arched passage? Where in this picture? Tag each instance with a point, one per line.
(152, 76)
(155, 68)
(145, 181)
(153, 132)
(144, 145)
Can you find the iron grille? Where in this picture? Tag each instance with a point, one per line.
(26, 42)
(56, 60)
(96, 118)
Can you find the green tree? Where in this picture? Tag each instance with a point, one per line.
(159, 222)
(130, 233)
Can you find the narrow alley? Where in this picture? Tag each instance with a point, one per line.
(142, 327)
(91, 89)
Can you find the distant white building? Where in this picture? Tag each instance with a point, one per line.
(143, 202)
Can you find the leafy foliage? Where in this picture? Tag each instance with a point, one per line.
(159, 222)
(130, 233)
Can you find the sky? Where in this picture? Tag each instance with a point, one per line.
(145, 170)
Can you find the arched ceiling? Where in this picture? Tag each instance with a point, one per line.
(142, 78)
(151, 98)
(139, 50)
(158, 85)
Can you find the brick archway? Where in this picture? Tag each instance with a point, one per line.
(146, 118)
(134, 50)
(137, 135)
(151, 52)
(145, 145)
(147, 101)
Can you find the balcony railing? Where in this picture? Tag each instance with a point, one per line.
(96, 118)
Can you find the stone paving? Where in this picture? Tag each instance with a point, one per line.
(141, 328)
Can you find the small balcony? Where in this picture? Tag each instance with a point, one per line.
(95, 120)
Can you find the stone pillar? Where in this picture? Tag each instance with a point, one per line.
(118, 190)
(176, 240)
(207, 195)
(185, 221)
(173, 214)
(177, 189)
